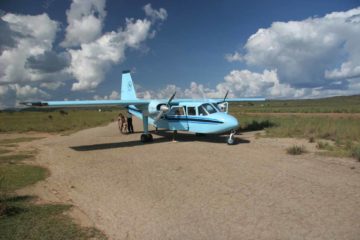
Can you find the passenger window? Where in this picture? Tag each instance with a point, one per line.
(176, 111)
(191, 111)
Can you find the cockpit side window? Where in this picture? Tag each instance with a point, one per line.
(209, 108)
(202, 111)
(177, 111)
(191, 111)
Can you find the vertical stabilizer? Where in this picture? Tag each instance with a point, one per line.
(127, 87)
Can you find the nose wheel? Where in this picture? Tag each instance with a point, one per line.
(146, 137)
(231, 139)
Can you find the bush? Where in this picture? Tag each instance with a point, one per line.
(355, 152)
(296, 150)
(323, 145)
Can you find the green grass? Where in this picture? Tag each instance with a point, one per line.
(343, 132)
(16, 176)
(54, 121)
(355, 152)
(20, 218)
(336, 129)
(296, 150)
(25, 220)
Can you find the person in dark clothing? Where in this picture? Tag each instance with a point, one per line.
(129, 123)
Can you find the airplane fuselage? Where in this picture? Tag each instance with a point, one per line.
(199, 117)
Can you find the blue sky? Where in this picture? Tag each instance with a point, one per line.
(76, 49)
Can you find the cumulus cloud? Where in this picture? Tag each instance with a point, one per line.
(235, 57)
(33, 36)
(85, 22)
(49, 61)
(112, 96)
(154, 14)
(7, 37)
(304, 53)
(90, 63)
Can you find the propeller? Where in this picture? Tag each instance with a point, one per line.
(222, 104)
(164, 108)
(226, 95)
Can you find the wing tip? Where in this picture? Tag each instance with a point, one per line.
(126, 71)
(35, 104)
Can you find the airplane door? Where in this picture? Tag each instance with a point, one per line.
(177, 118)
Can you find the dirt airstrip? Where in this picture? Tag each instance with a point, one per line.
(199, 187)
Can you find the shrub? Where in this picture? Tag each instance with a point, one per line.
(355, 152)
(296, 150)
(323, 145)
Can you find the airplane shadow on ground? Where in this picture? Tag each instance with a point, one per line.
(165, 136)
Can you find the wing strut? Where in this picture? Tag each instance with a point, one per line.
(146, 136)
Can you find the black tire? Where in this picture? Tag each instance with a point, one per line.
(150, 138)
(143, 138)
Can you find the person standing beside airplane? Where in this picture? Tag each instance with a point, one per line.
(122, 123)
(129, 123)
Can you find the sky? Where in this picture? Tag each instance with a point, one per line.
(77, 49)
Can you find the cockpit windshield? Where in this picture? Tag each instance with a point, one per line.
(208, 108)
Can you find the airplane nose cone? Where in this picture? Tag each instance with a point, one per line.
(233, 122)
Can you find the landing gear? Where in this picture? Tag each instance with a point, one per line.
(231, 139)
(146, 137)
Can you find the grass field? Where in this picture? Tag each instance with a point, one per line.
(54, 121)
(344, 132)
(20, 218)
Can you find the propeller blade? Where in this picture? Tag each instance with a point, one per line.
(171, 98)
(226, 95)
(158, 116)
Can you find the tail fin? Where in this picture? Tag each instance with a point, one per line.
(127, 87)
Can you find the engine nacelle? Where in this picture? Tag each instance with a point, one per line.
(223, 106)
(156, 106)
(164, 108)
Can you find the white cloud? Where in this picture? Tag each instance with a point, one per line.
(113, 96)
(34, 35)
(85, 22)
(90, 63)
(235, 57)
(244, 83)
(154, 14)
(92, 60)
(304, 53)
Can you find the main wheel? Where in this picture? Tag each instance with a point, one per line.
(143, 138)
(146, 138)
(150, 137)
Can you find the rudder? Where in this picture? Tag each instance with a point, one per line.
(127, 87)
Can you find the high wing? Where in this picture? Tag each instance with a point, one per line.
(87, 103)
(219, 100)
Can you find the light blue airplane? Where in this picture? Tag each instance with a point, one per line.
(200, 116)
